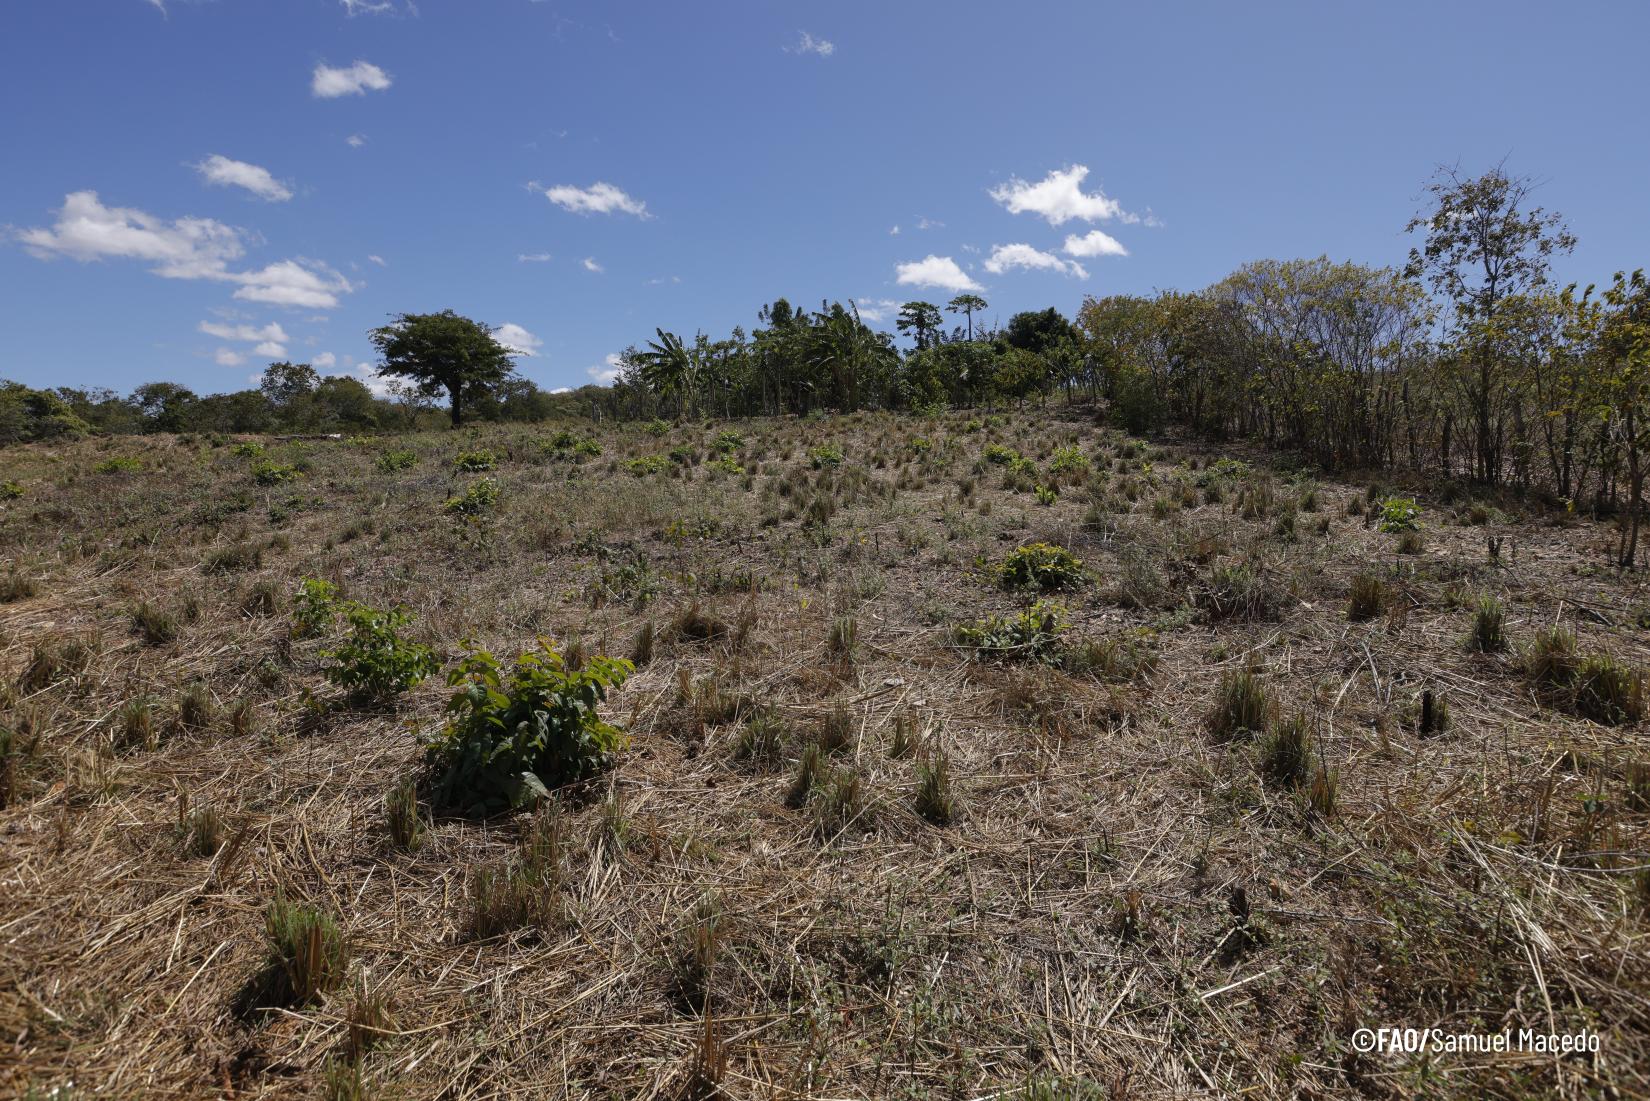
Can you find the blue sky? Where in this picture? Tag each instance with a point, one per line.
(191, 188)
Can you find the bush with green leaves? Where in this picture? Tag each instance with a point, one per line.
(269, 473)
(476, 501)
(647, 464)
(118, 465)
(375, 661)
(247, 449)
(1031, 635)
(513, 734)
(474, 462)
(656, 427)
(10, 490)
(729, 442)
(390, 462)
(1069, 460)
(1041, 567)
(314, 607)
(826, 454)
(1399, 514)
(999, 454)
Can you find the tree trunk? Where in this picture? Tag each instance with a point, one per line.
(456, 404)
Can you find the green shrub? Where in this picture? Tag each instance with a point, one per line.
(119, 465)
(268, 473)
(513, 734)
(1069, 460)
(1399, 514)
(1033, 634)
(308, 955)
(1046, 495)
(656, 427)
(999, 454)
(1042, 567)
(374, 661)
(826, 454)
(391, 461)
(10, 490)
(729, 442)
(474, 462)
(647, 464)
(247, 449)
(314, 608)
(476, 501)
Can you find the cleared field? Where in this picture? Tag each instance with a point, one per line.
(1269, 773)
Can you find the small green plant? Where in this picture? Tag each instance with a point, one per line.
(267, 473)
(389, 462)
(826, 454)
(247, 449)
(314, 607)
(514, 734)
(122, 464)
(1488, 621)
(1069, 460)
(999, 454)
(374, 662)
(1366, 598)
(476, 501)
(1608, 692)
(1399, 514)
(1046, 495)
(1286, 752)
(1032, 635)
(10, 490)
(1241, 706)
(308, 953)
(647, 464)
(729, 442)
(475, 462)
(1042, 567)
(656, 427)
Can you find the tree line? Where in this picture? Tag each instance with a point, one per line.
(1469, 361)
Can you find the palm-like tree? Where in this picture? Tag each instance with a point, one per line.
(966, 304)
(669, 368)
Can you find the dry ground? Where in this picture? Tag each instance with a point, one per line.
(1121, 906)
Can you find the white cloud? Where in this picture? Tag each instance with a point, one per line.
(272, 331)
(1094, 243)
(929, 223)
(1008, 257)
(379, 260)
(599, 198)
(228, 357)
(271, 349)
(367, 7)
(1059, 198)
(591, 265)
(808, 44)
(358, 79)
(562, 390)
(188, 248)
(324, 362)
(292, 283)
(517, 340)
(223, 172)
(532, 258)
(607, 374)
(936, 271)
(356, 141)
(894, 232)
(876, 309)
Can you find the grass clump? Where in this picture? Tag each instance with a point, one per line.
(155, 626)
(391, 462)
(17, 585)
(1551, 661)
(1240, 591)
(1366, 598)
(1241, 706)
(514, 734)
(525, 891)
(404, 816)
(934, 799)
(1608, 692)
(308, 953)
(1487, 634)
(1286, 752)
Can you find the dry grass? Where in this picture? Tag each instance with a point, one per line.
(1001, 878)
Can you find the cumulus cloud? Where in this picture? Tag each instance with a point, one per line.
(1059, 197)
(1094, 243)
(935, 271)
(599, 198)
(1008, 257)
(249, 334)
(517, 340)
(356, 80)
(220, 171)
(876, 309)
(271, 349)
(188, 248)
(533, 257)
(608, 373)
(808, 44)
(324, 362)
(356, 141)
(591, 265)
(306, 283)
(228, 357)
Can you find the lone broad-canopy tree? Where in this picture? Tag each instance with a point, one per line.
(443, 352)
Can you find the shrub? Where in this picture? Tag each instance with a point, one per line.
(1241, 707)
(375, 661)
(315, 607)
(728, 442)
(476, 500)
(474, 462)
(827, 454)
(1033, 634)
(1488, 617)
(656, 427)
(308, 955)
(1608, 692)
(10, 490)
(1046, 495)
(391, 461)
(1069, 460)
(514, 734)
(999, 455)
(247, 449)
(119, 465)
(1043, 567)
(647, 464)
(268, 473)
(1399, 514)
(1366, 598)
